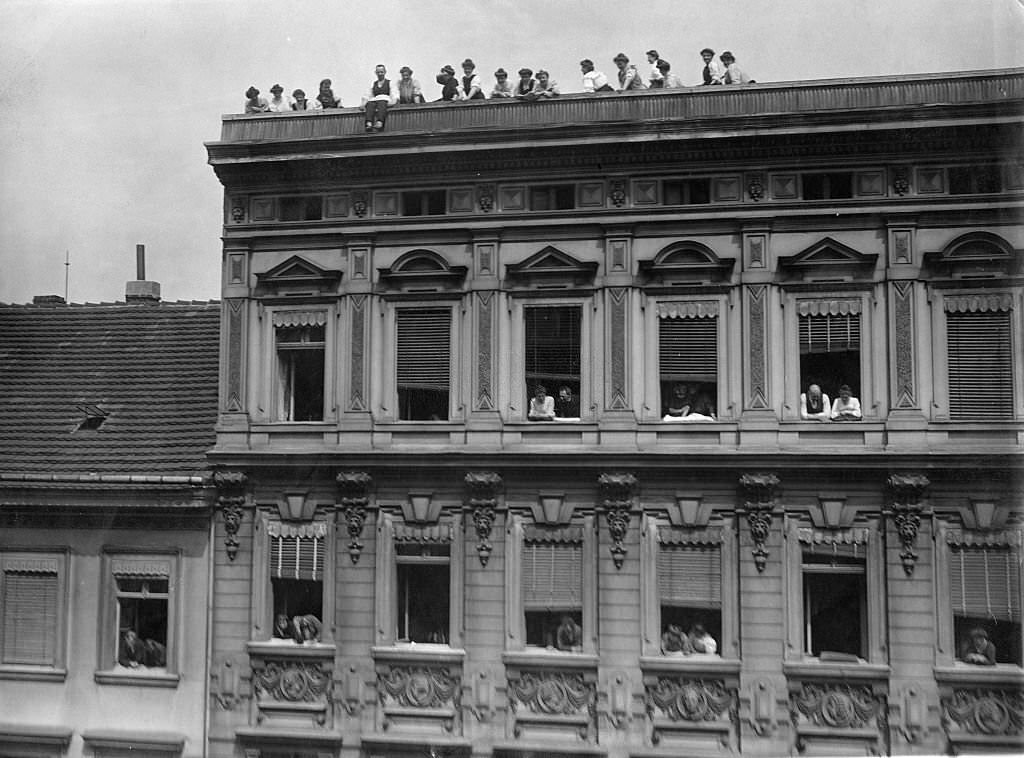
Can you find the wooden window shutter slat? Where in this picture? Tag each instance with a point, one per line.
(829, 333)
(552, 576)
(424, 349)
(690, 575)
(688, 349)
(30, 618)
(985, 583)
(297, 558)
(980, 360)
(552, 344)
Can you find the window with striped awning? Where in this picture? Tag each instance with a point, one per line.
(690, 575)
(829, 333)
(294, 557)
(423, 363)
(30, 623)
(985, 583)
(980, 361)
(552, 576)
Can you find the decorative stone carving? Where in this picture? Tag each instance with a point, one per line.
(682, 699)
(904, 354)
(617, 401)
(291, 681)
(617, 492)
(837, 706)
(985, 712)
(618, 192)
(755, 187)
(238, 209)
(359, 203)
(357, 401)
(484, 340)
(485, 197)
(901, 180)
(235, 325)
(760, 501)
(482, 487)
(907, 491)
(757, 398)
(420, 687)
(553, 693)
(231, 499)
(353, 491)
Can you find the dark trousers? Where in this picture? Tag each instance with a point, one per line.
(376, 110)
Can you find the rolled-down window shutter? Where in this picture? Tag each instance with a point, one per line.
(980, 363)
(985, 583)
(297, 558)
(552, 576)
(552, 344)
(424, 349)
(688, 349)
(690, 575)
(830, 333)
(30, 618)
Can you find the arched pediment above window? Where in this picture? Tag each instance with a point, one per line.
(828, 259)
(975, 255)
(422, 270)
(690, 262)
(298, 276)
(553, 267)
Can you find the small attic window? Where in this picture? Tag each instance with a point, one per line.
(94, 418)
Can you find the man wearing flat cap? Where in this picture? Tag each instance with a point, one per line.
(502, 86)
(525, 85)
(713, 72)
(278, 103)
(733, 73)
(593, 81)
(629, 77)
(472, 85)
(449, 84)
(409, 92)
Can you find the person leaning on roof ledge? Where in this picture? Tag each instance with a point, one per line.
(449, 84)
(713, 72)
(378, 99)
(669, 80)
(733, 73)
(472, 85)
(524, 88)
(655, 80)
(409, 91)
(326, 96)
(254, 103)
(594, 81)
(502, 86)
(846, 407)
(544, 88)
(301, 103)
(278, 103)
(629, 77)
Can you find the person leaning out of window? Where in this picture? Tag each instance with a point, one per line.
(542, 405)
(814, 405)
(846, 407)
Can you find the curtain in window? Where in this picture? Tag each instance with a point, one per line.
(552, 576)
(688, 348)
(690, 575)
(30, 618)
(985, 583)
(424, 349)
(980, 359)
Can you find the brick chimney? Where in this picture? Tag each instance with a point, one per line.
(47, 300)
(140, 291)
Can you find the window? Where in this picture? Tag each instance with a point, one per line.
(686, 192)
(296, 561)
(300, 341)
(302, 208)
(552, 591)
(32, 606)
(980, 363)
(552, 349)
(985, 591)
(835, 600)
(423, 364)
(423, 574)
(830, 186)
(140, 632)
(424, 203)
(560, 197)
(830, 346)
(690, 595)
(974, 180)
(688, 360)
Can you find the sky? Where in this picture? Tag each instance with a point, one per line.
(106, 103)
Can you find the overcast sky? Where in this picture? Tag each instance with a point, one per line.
(106, 104)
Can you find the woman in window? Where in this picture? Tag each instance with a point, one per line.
(542, 405)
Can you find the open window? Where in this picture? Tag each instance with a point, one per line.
(552, 343)
(688, 360)
(833, 185)
(690, 595)
(830, 346)
(835, 601)
(985, 600)
(296, 560)
(424, 203)
(423, 574)
(552, 587)
(423, 367)
(554, 197)
(686, 191)
(33, 610)
(300, 339)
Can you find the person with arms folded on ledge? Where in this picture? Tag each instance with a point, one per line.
(301, 103)
(278, 103)
(814, 405)
(566, 404)
(524, 88)
(409, 91)
(542, 405)
(254, 103)
(846, 407)
(326, 96)
(472, 85)
(544, 88)
(502, 86)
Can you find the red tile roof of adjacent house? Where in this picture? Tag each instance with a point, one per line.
(151, 369)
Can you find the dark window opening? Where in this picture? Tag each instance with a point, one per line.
(985, 600)
(142, 621)
(423, 364)
(831, 186)
(561, 197)
(300, 353)
(302, 208)
(296, 580)
(980, 365)
(690, 591)
(552, 591)
(830, 353)
(974, 180)
(425, 203)
(688, 367)
(686, 192)
(556, 629)
(424, 588)
(552, 350)
(835, 603)
(680, 628)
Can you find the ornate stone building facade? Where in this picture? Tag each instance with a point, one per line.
(685, 559)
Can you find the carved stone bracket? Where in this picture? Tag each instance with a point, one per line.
(482, 499)
(759, 490)
(755, 187)
(617, 493)
(987, 713)
(618, 192)
(485, 197)
(677, 702)
(901, 180)
(838, 707)
(353, 498)
(907, 491)
(418, 688)
(360, 203)
(231, 501)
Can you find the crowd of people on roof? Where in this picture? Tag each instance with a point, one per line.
(384, 93)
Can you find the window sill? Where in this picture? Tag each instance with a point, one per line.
(289, 649)
(968, 674)
(812, 668)
(704, 663)
(544, 658)
(420, 652)
(169, 743)
(33, 673)
(55, 737)
(137, 678)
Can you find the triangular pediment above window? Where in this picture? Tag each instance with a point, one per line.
(422, 271)
(552, 266)
(297, 275)
(828, 259)
(980, 255)
(689, 262)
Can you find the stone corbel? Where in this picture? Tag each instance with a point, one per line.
(352, 696)
(482, 500)
(762, 708)
(617, 494)
(620, 696)
(759, 491)
(353, 499)
(231, 501)
(483, 697)
(224, 687)
(907, 491)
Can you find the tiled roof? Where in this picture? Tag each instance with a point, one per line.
(151, 368)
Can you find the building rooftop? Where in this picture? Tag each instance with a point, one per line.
(107, 389)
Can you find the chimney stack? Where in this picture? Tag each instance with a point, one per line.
(140, 291)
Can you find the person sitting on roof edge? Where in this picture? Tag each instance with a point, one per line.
(378, 99)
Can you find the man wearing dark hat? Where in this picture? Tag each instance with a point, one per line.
(655, 79)
(502, 86)
(593, 81)
(254, 103)
(733, 73)
(629, 77)
(713, 71)
(409, 92)
(278, 103)
(449, 84)
(526, 84)
(472, 85)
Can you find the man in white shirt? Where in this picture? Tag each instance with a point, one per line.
(593, 81)
(814, 405)
(713, 72)
(378, 99)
